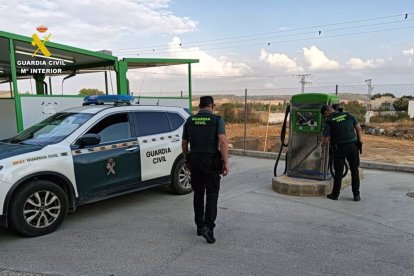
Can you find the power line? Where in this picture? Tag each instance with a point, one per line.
(284, 41)
(305, 33)
(282, 36)
(274, 32)
(219, 76)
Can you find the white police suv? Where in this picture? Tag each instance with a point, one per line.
(87, 154)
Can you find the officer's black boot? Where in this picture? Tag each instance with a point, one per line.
(357, 197)
(332, 196)
(200, 231)
(208, 234)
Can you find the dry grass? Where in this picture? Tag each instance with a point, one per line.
(253, 130)
(397, 125)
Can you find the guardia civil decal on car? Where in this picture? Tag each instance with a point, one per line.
(105, 148)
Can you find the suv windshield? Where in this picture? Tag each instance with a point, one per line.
(52, 130)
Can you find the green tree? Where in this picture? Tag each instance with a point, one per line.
(401, 104)
(378, 95)
(90, 92)
(356, 109)
(388, 95)
(375, 96)
(228, 111)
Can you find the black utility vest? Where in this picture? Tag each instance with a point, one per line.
(202, 132)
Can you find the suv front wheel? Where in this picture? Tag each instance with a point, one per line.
(181, 179)
(38, 208)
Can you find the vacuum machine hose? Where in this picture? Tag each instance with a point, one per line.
(331, 161)
(282, 141)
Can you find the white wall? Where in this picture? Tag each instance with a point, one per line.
(36, 109)
(276, 117)
(411, 109)
(165, 102)
(8, 125)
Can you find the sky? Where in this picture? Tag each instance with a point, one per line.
(260, 45)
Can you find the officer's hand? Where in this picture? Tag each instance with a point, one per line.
(359, 145)
(225, 170)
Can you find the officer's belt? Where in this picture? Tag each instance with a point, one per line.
(204, 154)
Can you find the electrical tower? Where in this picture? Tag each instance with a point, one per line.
(303, 81)
(368, 115)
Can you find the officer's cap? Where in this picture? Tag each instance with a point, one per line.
(206, 100)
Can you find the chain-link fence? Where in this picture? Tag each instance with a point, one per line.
(254, 117)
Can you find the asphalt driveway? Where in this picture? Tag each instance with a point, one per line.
(259, 232)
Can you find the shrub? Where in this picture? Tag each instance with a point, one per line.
(399, 116)
(90, 91)
(356, 109)
(401, 104)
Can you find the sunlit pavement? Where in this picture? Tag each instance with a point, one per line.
(259, 232)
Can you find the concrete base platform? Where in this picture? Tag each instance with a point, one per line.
(306, 187)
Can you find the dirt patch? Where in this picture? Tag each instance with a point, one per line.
(403, 130)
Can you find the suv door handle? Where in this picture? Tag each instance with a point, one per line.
(131, 149)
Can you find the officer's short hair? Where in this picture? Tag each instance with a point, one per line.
(324, 108)
(206, 101)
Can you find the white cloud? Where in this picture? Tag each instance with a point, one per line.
(359, 64)
(317, 59)
(409, 52)
(174, 78)
(280, 61)
(94, 24)
(209, 65)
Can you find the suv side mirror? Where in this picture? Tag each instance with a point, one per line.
(88, 140)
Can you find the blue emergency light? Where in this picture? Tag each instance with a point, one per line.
(102, 99)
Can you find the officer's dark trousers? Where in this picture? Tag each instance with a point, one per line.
(349, 152)
(205, 179)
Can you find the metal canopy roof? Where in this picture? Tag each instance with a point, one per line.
(134, 63)
(76, 58)
(60, 46)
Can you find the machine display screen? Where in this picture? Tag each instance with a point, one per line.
(307, 120)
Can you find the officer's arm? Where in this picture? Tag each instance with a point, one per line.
(358, 132)
(224, 149)
(184, 147)
(326, 134)
(185, 141)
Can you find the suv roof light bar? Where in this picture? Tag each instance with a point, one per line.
(102, 99)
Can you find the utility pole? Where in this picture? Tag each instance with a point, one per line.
(303, 81)
(368, 116)
(245, 121)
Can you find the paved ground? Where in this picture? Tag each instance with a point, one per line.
(259, 232)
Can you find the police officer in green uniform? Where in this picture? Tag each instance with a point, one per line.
(205, 132)
(345, 135)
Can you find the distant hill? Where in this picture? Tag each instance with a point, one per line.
(5, 94)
